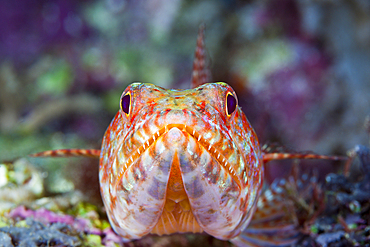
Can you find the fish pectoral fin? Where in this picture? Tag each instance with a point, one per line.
(280, 231)
(274, 222)
(254, 240)
(91, 153)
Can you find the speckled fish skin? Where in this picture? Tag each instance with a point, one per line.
(218, 156)
(175, 161)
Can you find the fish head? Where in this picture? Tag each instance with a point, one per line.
(180, 161)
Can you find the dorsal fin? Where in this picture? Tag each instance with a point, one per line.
(201, 73)
(92, 153)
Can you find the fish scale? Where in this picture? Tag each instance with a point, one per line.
(175, 161)
(215, 204)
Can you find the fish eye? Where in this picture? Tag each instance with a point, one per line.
(126, 103)
(231, 103)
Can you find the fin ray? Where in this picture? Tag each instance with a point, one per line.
(280, 156)
(92, 153)
(273, 223)
(201, 73)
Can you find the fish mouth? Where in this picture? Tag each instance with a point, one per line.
(216, 154)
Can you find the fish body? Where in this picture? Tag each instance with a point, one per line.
(178, 161)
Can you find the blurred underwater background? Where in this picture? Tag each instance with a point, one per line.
(301, 70)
